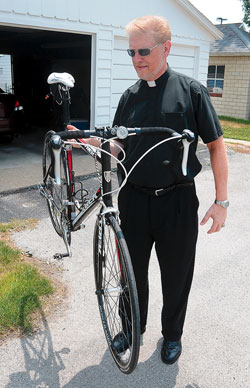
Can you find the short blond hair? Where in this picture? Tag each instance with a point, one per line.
(158, 25)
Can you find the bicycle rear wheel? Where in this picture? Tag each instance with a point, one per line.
(116, 293)
(58, 196)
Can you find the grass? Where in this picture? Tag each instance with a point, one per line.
(21, 284)
(238, 129)
(17, 225)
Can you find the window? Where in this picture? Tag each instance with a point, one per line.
(215, 80)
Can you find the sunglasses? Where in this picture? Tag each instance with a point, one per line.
(142, 52)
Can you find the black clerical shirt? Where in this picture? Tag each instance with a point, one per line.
(178, 102)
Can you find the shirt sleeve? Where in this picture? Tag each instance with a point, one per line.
(208, 124)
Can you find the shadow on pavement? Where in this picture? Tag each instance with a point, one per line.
(42, 362)
(151, 373)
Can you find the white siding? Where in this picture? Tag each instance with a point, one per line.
(103, 77)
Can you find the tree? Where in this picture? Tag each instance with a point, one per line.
(246, 9)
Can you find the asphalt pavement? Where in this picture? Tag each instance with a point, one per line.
(69, 349)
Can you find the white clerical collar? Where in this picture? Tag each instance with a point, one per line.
(151, 84)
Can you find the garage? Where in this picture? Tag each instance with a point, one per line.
(34, 55)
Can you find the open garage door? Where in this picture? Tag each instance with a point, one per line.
(35, 54)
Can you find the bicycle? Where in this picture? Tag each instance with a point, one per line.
(69, 207)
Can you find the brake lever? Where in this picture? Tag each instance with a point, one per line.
(187, 138)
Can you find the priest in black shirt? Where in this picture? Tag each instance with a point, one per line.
(165, 98)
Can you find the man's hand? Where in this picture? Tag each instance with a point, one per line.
(75, 144)
(218, 215)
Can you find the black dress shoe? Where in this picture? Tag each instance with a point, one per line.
(121, 342)
(171, 351)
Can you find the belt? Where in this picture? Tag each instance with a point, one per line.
(163, 191)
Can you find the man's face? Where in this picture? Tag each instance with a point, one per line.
(152, 66)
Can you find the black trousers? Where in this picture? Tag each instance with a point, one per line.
(171, 223)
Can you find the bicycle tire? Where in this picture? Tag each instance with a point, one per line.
(116, 291)
(58, 194)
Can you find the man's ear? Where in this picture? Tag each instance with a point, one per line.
(167, 47)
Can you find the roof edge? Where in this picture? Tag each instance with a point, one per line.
(228, 54)
(201, 18)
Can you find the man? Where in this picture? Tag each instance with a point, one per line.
(158, 205)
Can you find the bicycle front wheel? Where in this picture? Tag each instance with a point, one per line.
(116, 293)
(58, 196)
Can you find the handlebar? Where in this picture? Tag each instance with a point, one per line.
(186, 137)
(122, 132)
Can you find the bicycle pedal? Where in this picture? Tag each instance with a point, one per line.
(60, 256)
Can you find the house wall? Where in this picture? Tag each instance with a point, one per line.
(235, 100)
(112, 70)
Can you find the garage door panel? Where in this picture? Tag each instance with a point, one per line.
(121, 57)
(181, 62)
(186, 51)
(120, 43)
(182, 59)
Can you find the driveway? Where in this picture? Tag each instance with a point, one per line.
(69, 349)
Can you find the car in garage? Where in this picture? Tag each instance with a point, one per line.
(12, 120)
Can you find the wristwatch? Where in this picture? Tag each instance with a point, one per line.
(224, 204)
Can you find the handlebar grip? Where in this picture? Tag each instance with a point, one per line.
(74, 134)
(158, 131)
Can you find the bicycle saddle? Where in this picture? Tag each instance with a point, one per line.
(61, 78)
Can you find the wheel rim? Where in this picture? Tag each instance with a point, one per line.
(114, 299)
